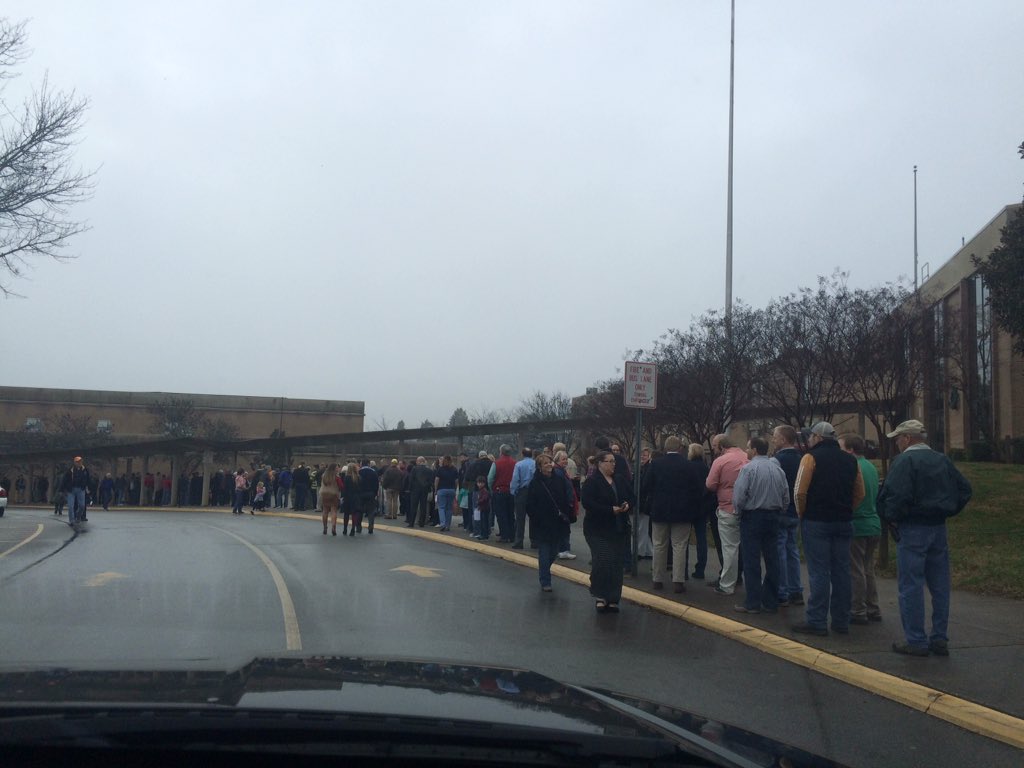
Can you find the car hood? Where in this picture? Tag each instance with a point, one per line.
(400, 688)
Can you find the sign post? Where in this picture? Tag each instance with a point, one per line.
(640, 391)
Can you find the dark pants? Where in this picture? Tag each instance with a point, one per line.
(759, 537)
(370, 511)
(700, 532)
(300, 497)
(467, 513)
(789, 559)
(240, 496)
(352, 510)
(504, 513)
(607, 552)
(481, 527)
(546, 552)
(418, 507)
(827, 551)
(521, 519)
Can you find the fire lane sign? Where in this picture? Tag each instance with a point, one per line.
(641, 385)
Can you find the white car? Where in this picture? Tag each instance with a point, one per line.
(3, 500)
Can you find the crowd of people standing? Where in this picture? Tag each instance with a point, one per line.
(752, 503)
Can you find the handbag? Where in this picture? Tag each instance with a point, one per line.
(621, 520)
(561, 515)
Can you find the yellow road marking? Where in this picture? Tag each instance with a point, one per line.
(102, 579)
(419, 570)
(23, 542)
(293, 640)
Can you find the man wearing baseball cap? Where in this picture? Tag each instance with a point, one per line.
(829, 486)
(922, 489)
(75, 484)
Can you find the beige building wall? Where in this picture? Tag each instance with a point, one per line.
(952, 285)
(130, 416)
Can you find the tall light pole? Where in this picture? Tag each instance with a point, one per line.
(728, 214)
(915, 229)
(728, 204)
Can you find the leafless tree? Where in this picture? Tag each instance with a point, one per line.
(805, 352)
(896, 348)
(544, 406)
(38, 182)
(708, 373)
(606, 406)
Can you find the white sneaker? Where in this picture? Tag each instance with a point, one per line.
(569, 556)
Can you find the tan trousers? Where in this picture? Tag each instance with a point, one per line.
(862, 576)
(391, 502)
(678, 534)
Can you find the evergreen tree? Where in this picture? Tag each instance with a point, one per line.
(1003, 272)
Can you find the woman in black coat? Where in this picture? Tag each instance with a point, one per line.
(606, 528)
(550, 509)
(709, 503)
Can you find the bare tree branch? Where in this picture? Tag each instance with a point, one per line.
(38, 182)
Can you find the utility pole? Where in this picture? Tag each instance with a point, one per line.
(728, 204)
(915, 229)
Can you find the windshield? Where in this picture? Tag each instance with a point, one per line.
(443, 331)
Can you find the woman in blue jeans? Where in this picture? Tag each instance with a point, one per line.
(446, 478)
(550, 510)
(241, 492)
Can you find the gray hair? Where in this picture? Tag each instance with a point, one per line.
(505, 450)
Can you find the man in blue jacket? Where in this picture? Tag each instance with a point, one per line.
(922, 489)
(369, 486)
(676, 487)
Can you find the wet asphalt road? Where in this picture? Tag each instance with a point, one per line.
(144, 590)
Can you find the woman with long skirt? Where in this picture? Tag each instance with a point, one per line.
(606, 529)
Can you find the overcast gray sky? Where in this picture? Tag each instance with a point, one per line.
(429, 204)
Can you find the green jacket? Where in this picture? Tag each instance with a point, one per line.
(923, 487)
(865, 517)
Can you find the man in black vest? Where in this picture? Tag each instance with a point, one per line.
(829, 487)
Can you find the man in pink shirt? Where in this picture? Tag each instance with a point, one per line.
(721, 479)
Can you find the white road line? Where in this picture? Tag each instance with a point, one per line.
(6, 552)
(293, 640)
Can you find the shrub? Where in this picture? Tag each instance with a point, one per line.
(979, 450)
(1017, 450)
(957, 454)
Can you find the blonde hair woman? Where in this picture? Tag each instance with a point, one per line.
(353, 503)
(330, 497)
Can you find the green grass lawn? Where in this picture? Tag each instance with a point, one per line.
(986, 540)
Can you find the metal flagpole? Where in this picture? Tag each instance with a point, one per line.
(915, 228)
(728, 205)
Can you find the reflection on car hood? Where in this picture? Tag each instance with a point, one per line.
(399, 688)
